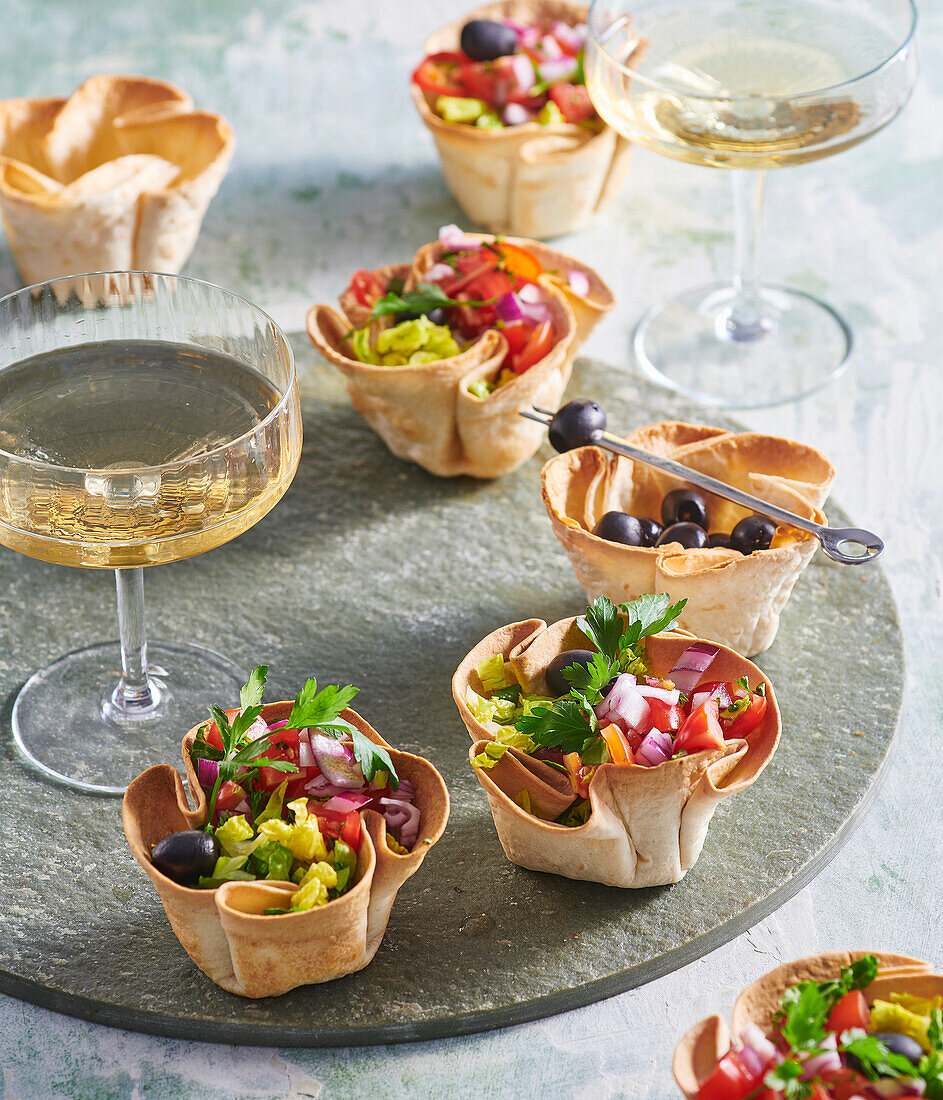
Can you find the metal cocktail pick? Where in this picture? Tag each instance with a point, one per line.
(848, 545)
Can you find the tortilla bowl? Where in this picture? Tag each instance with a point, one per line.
(647, 825)
(117, 177)
(531, 180)
(732, 598)
(707, 1042)
(425, 413)
(224, 930)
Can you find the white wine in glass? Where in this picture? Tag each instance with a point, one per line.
(748, 84)
(149, 421)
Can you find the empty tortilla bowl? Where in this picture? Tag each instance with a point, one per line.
(225, 931)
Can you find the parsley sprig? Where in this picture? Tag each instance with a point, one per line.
(242, 758)
(423, 300)
(619, 634)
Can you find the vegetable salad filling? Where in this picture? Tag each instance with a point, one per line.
(474, 287)
(609, 706)
(508, 73)
(830, 1044)
(284, 799)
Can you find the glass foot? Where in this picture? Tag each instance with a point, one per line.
(63, 723)
(699, 345)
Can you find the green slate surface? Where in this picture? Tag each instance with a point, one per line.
(372, 571)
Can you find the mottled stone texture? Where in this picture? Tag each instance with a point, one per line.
(373, 572)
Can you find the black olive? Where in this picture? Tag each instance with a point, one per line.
(690, 535)
(898, 1044)
(620, 527)
(718, 538)
(484, 39)
(651, 530)
(557, 684)
(752, 533)
(576, 425)
(185, 856)
(437, 316)
(684, 506)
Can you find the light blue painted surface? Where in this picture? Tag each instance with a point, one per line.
(333, 171)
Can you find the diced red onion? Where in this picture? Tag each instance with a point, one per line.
(655, 748)
(259, 728)
(752, 1036)
(691, 666)
(515, 114)
(508, 307)
(336, 761)
(631, 712)
(751, 1061)
(344, 803)
(624, 681)
(320, 787)
(574, 37)
(405, 792)
(406, 816)
(829, 1061)
(437, 273)
(550, 47)
(242, 808)
(305, 752)
(523, 69)
(206, 773)
(666, 696)
(557, 69)
(530, 294)
(579, 282)
(273, 726)
(529, 37)
(455, 239)
(537, 313)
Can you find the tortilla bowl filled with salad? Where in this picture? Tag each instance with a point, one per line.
(503, 94)
(629, 529)
(441, 355)
(842, 1025)
(305, 825)
(604, 743)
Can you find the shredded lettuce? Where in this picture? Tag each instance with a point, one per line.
(905, 1017)
(492, 673)
(481, 388)
(414, 341)
(490, 756)
(550, 114)
(454, 108)
(524, 801)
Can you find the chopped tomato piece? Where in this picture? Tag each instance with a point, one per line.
(440, 74)
(283, 745)
(230, 795)
(579, 774)
(466, 274)
(516, 335)
(519, 262)
(337, 826)
(537, 346)
(619, 750)
(851, 1010)
(701, 730)
(727, 1081)
(490, 81)
(366, 287)
(212, 735)
(747, 720)
(845, 1083)
(665, 717)
(491, 284)
(573, 101)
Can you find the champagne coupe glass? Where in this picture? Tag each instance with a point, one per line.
(143, 418)
(748, 85)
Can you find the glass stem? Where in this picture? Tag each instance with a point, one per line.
(134, 696)
(746, 319)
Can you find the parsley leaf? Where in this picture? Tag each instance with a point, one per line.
(562, 725)
(805, 1010)
(935, 1029)
(423, 300)
(321, 710)
(931, 1070)
(590, 681)
(602, 626)
(784, 1078)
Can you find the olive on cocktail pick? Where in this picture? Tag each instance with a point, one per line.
(486, 40)
(684, 506)
(651, 531)
(690, 535)
(557, 683)
(576, 425)
(753, 533)
(186, 855)
(621, 527)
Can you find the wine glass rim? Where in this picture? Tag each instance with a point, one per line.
(665, 87)
(273, 413)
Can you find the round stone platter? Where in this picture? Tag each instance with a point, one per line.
(371, 571)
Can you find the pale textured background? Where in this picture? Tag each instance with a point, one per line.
(333, 171)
